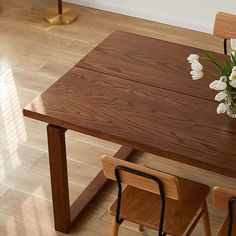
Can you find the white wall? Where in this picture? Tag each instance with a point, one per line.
(192, 14)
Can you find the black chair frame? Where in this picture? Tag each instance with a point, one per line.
(144, 175)
(231, 203)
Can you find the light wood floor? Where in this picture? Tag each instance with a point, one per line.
(33, 55)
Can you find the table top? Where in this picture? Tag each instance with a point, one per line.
(150, 61)
(137, 91)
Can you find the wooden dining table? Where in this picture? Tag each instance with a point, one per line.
(135, 91)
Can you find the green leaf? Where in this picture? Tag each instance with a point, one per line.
(213, 60)
(227, 69)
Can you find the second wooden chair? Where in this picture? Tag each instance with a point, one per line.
(225, 27)
(225, 200)
(155, 199)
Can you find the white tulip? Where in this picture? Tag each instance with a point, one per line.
(233, 44)
(213, 84)
(234, 68)
(233, 75)
(233, 83)
(223, 78)
(192, 58)
(221, 108)
(218, 85)
(220, 96)
(234, 54)
(196, 75)
(221, 85)
(196, 66)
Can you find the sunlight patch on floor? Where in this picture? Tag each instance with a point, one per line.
(9, 116)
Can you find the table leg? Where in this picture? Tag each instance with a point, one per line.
(59, 177)
(65, 216)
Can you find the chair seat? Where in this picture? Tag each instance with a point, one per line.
(143, 207)
(224, 228)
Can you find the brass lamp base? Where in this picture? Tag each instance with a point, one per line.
(67, 17)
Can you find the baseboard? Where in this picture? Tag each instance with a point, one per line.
(108, 6)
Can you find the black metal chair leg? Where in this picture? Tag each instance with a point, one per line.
(225, 47)
(231, 215)
(60, 7)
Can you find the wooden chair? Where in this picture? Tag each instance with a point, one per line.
(155, 199)
(225, 27)
(225, 200)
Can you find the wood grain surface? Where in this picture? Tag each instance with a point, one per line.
(151, 61)
(174, 125)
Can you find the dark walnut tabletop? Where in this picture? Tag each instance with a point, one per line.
(137, 91)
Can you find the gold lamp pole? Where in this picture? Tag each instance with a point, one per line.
(61, 16)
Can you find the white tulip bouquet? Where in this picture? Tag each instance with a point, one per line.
(226, 85)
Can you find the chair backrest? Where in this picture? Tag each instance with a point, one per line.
(171, 183)
(225, 25)
(221, 197)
